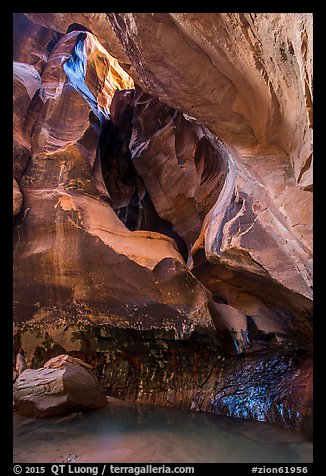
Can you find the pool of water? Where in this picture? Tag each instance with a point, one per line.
(126, 432)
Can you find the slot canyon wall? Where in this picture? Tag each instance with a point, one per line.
(163, 205)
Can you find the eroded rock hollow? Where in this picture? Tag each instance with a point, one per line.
(163, 205)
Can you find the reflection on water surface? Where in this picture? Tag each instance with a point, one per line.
(126, 432)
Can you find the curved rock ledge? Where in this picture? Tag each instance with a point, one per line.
(163, 205)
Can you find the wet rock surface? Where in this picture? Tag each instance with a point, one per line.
(274, 386)
(163, 233)
(185, 369)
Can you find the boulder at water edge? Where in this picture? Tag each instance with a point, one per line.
(63, 385)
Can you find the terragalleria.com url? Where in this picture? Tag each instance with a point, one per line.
(58, 469)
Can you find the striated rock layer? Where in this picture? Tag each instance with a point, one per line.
(251, 74)
(163, 233)
(164, 160)
(157, 157)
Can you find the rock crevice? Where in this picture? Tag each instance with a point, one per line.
(162, 195)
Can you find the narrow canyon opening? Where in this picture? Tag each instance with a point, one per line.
(144, 142)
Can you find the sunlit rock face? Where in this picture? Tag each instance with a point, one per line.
(96, 23)
(76, 89)
(69, 240)
(33, 44)
(163, 233)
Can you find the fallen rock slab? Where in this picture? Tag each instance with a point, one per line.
(54, 390)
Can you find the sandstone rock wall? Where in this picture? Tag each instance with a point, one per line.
(181, 169)
(175, 217)
(251, 74)
(68, 239)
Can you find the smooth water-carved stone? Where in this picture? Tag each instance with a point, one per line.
(204, 284)
(63, 385)
(76, 242)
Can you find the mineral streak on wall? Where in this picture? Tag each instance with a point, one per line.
(163, 205)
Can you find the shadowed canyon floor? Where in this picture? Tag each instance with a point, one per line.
(129, 433)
